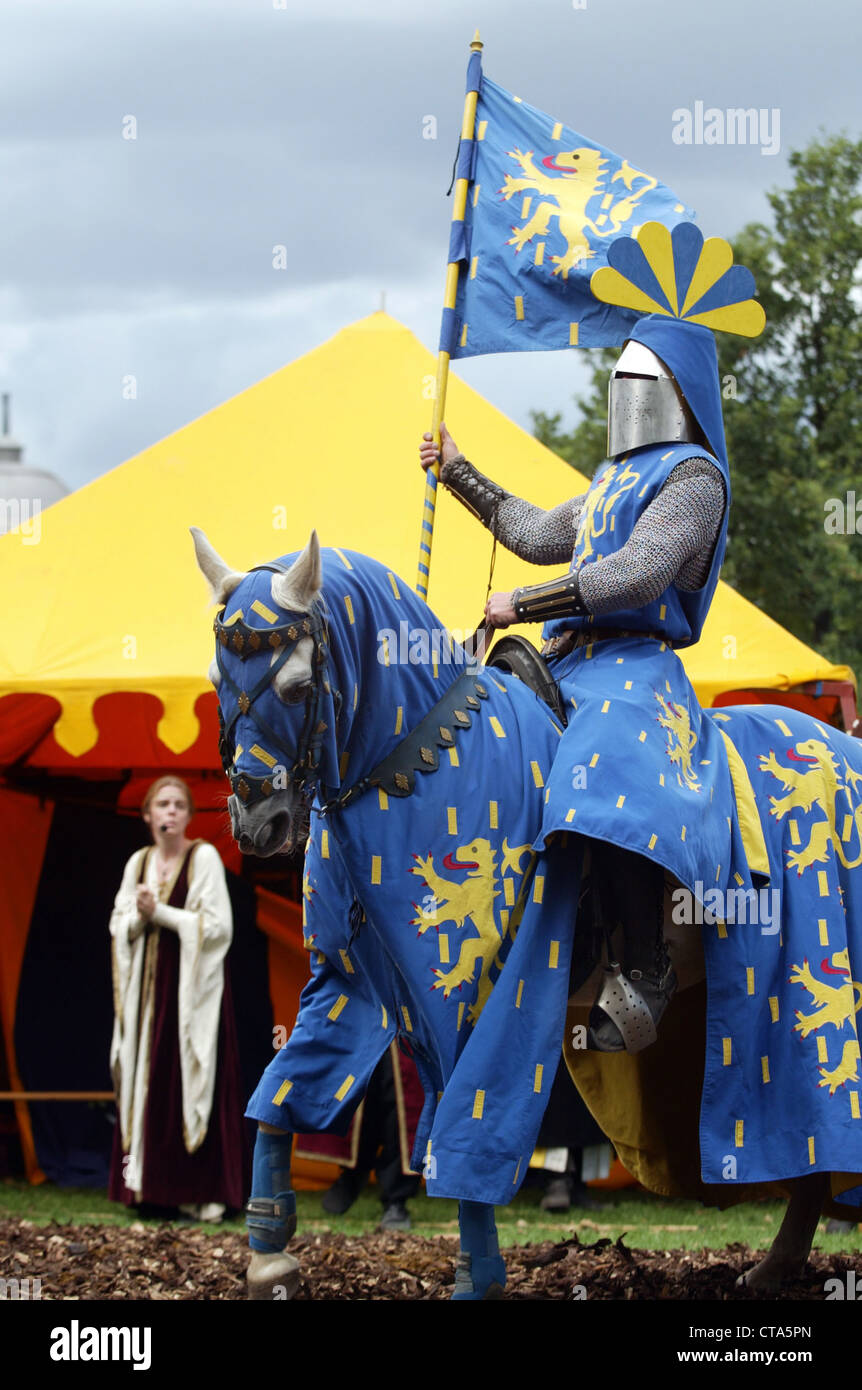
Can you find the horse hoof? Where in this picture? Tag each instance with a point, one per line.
(272, 1278)
(766, 1277)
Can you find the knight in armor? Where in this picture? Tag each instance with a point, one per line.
(644, 547)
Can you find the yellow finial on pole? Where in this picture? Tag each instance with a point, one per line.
(432, 477)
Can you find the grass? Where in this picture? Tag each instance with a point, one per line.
(648, 1223)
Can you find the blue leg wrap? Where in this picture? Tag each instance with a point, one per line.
(271, 1209)
(481, 1272)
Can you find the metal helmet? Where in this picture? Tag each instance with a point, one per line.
(645, 405)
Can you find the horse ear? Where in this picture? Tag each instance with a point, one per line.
(296, 590)
(222, 579)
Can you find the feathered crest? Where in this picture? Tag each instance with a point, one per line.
(678, 274)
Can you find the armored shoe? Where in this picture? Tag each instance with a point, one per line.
(626, 1015)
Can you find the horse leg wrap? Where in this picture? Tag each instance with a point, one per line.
(271, 1209)
(480, 1272)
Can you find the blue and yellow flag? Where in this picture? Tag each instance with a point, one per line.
(543, 206)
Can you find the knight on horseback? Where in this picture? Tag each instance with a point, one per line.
(645, 546)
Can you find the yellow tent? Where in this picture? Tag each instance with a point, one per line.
(110, 600)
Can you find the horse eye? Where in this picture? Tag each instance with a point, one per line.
(297, 695)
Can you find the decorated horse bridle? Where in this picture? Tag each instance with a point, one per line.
(244, 641)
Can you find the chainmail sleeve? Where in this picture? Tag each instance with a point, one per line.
(538, 536)
(671, 543)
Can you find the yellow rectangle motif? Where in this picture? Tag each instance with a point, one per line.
(722, 931)
(557, 132)
(408, 1024)
(823, 883)
(749, 979)
(478, 1105)
(537, 774)
(573, 335)
(399, 719)
(606, 706)
(764, 1069)
(726, 1051)
(854, 1104)
(461, 1008)
(653, 841)
(452, 819)
(509, 892)
(497, 726)
(554, 955)
(337, 1007)
(822, 1052)
(783, 727)
(620, 802)
(443, 945)
(811, 1158)
(263, 612)
(539, 257)
(537, 1079)
(376, 867)
(794, 832)
(262, 755)
(519, 307)
(823, 930)
(344, 1087)
(773, 1007)
(848, 828)
(538, 888)
(570, 815)
(348, 604)
(346, 962)
(738, 1134)
(382, 799)
(281, 1092)
(473, 265)
(453, 757)
(492, 815)
(324, 844)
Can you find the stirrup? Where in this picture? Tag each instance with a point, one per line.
(630, 1021)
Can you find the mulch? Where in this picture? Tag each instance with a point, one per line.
(170, 1262)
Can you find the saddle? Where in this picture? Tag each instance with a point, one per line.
(520, 658)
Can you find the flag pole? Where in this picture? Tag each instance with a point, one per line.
(432, 476)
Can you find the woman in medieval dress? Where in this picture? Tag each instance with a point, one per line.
(174, 1060)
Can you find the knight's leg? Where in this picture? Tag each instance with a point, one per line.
(631, 891)
(790, 1250)
(480, 1272)
(271, 1217)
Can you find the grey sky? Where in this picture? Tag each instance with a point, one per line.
(302, 125)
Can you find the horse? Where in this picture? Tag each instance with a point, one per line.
(336, 683)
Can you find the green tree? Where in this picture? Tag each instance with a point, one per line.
(791, 405)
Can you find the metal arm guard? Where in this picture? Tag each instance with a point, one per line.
(556, 598)
(479, 494)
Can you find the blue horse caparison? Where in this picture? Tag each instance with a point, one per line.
(442, 918)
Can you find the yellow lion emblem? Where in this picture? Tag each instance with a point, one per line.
(472, 898)
(836, 1005)
(681, 740)
(817, 782)
(567, 198)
